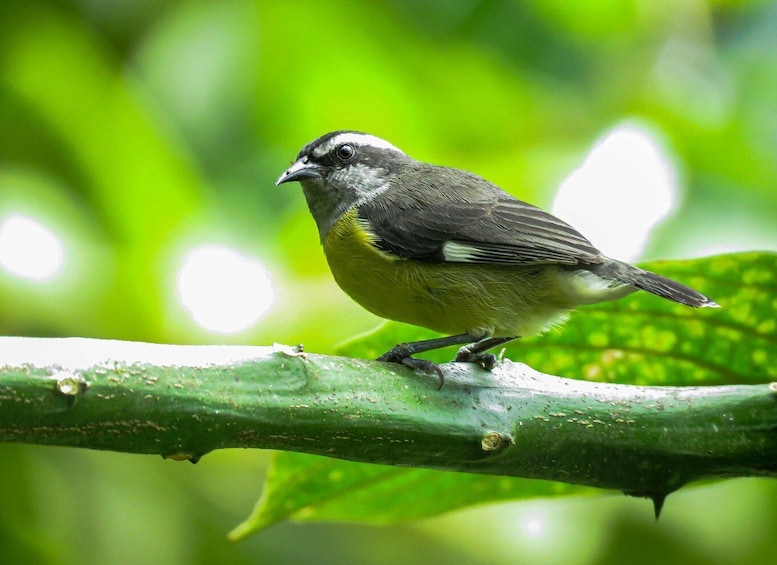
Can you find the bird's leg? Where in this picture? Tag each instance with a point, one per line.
(403, 353)
(475, 352)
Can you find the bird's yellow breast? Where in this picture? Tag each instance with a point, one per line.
(451, 298)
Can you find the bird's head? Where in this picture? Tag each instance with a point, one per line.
(342, 169)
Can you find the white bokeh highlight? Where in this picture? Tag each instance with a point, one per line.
(30, 250)
(625, 186)
(225, 291)
(534, 526)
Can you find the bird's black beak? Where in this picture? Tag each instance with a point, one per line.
(301, 169)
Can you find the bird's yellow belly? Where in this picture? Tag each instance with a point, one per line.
(451, 298)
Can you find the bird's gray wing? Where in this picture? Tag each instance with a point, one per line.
(439, 214)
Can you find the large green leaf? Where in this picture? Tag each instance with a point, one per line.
(312, 488)
(641, 339)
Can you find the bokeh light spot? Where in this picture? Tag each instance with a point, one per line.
(224, 290)
(30, 250)
(534, 526)
(625, 186)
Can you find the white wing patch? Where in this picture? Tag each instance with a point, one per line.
(458, 252)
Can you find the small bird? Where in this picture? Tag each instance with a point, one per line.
(447, 250)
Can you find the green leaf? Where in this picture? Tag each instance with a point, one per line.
(646, 340)
(640, 339)
(307, 488)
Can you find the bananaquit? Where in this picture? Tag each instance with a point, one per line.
(445, 249)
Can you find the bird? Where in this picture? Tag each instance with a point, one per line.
(445, 249)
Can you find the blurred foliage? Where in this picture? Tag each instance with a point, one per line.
(137, 129)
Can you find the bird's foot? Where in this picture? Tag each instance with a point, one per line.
(401, 355)
(476, 352)
(485, 360)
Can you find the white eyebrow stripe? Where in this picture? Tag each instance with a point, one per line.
(361, 139)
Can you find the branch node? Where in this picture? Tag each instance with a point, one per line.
(70, 383)
(494, 442)
(289, 350)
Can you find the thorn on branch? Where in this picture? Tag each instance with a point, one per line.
(658, 504)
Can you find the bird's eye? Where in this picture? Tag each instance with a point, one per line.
(345, 152)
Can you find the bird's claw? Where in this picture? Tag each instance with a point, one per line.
(426, 366)
(397, 355)
(485, 360)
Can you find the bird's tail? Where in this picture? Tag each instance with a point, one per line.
(653, 283)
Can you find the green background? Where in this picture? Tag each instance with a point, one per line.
(136, 129)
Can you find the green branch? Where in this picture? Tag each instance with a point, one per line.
(184, 401)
